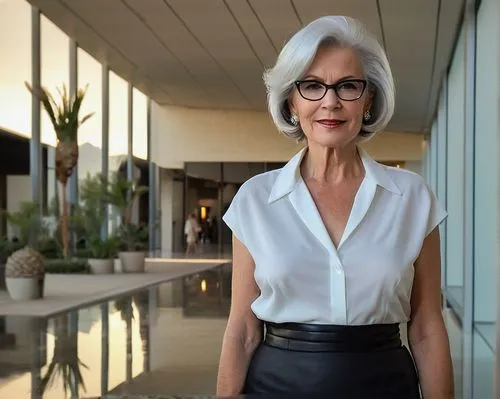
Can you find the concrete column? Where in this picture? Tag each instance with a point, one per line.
(130, 137)
(152, 185)
(73, 87)
(35, 142)
(72, 187)
(105, 138)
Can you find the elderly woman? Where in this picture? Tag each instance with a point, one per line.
(332, 252)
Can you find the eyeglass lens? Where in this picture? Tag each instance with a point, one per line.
(348, 90)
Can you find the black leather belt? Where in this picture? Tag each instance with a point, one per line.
(332, 338)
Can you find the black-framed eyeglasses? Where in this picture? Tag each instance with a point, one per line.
(347, 90)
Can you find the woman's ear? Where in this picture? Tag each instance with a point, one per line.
(290, 106)
(369, 99)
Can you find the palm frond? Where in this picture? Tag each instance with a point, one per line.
(63, 115)
(45, 98)
(85, 118)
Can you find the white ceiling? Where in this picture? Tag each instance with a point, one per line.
(211, 53)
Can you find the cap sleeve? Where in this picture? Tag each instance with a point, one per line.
(436, 214)
(233, 216)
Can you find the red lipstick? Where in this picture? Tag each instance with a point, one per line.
(331, 123)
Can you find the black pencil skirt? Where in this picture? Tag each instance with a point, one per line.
(305, 360)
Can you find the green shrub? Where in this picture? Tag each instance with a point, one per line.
(49, 248)
(83, 253)
(70, 266)
(7, 248)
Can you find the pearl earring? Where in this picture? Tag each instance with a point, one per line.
(367, 116)
(294, 120)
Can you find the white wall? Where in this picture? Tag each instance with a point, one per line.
(197, 135)
(18, 190)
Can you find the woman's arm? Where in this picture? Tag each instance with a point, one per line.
(244, 331)
(427, 333)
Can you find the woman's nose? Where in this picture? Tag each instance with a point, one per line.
(330, 100)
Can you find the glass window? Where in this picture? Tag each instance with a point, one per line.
(433, 155)
(455, 179)
(486, 197)
(90, 133)
(15, 66)
(54, 70)
(487, 175)
(441, 170)
(54, 75)
(118, 131)
(140, 125)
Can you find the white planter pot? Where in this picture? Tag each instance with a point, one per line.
(132, 262)
(25, 288)
(101, 266)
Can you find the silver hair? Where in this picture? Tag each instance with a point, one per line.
(298, 54)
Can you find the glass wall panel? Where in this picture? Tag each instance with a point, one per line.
(483, 367)
(90, 133)
(433, 155)
(442, 134)
(456, 175)
(140, 125)
(15, 66)
(54, 69)
(486, 195)
(118, 143)
(54, 75)
(487, 164)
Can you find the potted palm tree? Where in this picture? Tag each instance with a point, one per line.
(123, 194)
(66, 121)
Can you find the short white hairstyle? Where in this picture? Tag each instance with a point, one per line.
(298, 54)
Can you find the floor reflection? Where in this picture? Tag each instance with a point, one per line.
(163, 340)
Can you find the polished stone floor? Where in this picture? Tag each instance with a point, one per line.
(160, 342)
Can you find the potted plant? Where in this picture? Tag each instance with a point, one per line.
(65, 120)
(24, 274)
(28, 223)
(5, 251)
(123, 194)
(102, 254)
(133, 253)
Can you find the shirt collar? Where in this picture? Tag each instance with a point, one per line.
(289, 175)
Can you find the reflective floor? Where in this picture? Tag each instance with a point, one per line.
(164, 340)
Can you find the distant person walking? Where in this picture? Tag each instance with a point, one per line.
(191, 230)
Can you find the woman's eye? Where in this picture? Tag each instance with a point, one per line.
(348, 86)
(313, 86)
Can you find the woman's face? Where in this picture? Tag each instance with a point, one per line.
(332, 121)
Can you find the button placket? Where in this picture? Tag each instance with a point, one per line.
(338, 292)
